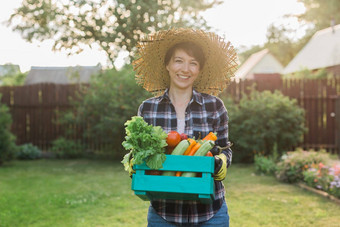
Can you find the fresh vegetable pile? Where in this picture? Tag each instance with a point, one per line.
(145, 142)
(180, 144)
(149, 144)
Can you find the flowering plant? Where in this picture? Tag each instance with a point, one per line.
(292, 164)
(323, 177)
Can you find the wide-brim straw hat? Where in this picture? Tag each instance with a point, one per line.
(219, 67)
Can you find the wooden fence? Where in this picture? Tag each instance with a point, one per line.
(35, 109)
(320, 99)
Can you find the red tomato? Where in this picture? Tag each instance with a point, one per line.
(209, 154)
(173, 138)
(184, 136)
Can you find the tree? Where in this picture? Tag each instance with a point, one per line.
(245, 52)
(280, 44)
(112, 25)
(11, 75)
(16, 79)
(321, 13)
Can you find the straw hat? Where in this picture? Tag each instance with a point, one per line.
(219, 66)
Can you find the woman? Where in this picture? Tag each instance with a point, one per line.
(185, 68)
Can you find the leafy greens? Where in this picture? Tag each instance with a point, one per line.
(145, 142)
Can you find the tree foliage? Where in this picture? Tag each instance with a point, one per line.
(16, 79)
(11, 75)
(245, 53)
(112, 25)
(321, 13)
(280, 43)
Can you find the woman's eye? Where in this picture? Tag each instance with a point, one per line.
(194, 63)
(178, 60)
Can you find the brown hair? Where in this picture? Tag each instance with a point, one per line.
(192, 49)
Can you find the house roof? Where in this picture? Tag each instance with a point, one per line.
(249, 66)
(322, 50)
(61, 75)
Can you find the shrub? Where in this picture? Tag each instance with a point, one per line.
(64, 148)
(264, 165)
(262, 120)
(28, 152)
(290, 168)
(102, 109)
(7, 139)
(309, 74)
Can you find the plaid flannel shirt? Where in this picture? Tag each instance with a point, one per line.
(204, 114)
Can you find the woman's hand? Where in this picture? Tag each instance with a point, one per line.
(220, 167)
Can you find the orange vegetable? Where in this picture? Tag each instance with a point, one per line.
(209, 154)
(192, 143)
(186, 152)
(194, 148)
(211, 136)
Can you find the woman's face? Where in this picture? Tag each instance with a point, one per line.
(183, 70)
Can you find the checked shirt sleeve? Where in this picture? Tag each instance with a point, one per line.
(221, 128)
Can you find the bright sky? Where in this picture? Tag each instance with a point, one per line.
(243, 22)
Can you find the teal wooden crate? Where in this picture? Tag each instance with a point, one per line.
(150, 187)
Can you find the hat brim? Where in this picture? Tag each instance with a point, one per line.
(219, 67)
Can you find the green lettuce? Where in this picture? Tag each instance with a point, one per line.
(145, 143)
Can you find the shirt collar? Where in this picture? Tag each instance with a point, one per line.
(196, 96)
(165, 96)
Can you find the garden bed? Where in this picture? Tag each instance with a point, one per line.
(319, 192)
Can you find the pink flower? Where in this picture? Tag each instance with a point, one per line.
(321, 165)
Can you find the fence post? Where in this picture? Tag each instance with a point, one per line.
(337, 127)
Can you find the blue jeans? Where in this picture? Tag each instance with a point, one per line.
(221, 219)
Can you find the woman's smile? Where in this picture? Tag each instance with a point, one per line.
(183, 70)
(183, 76)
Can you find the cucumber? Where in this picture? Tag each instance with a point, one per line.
(179, 150)
(181, 147)
(202, 151)
(205, 148)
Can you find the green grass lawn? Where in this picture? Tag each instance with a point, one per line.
(97, 193)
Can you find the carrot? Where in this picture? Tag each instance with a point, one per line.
(194, 148)
(186, 152)
(192, 143)
(209, 154)
(211, 136)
